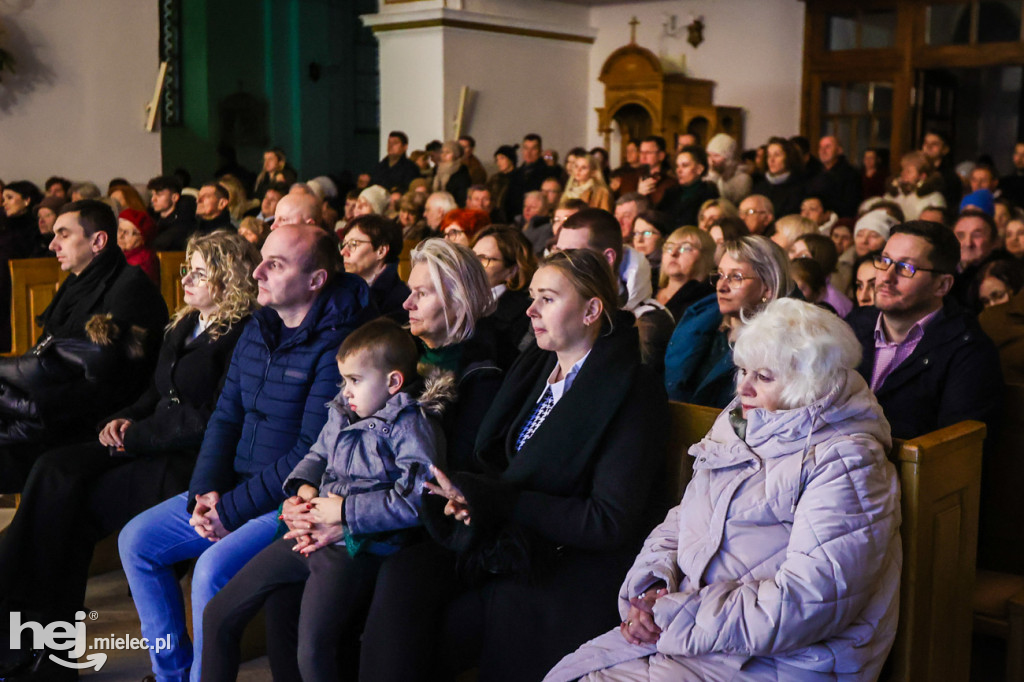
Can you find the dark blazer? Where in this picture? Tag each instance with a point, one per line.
(511, 325)
(688, 294)
(458, 185)
(952, 375)
(171, 416)
(786, 196)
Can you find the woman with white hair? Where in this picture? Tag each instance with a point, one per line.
(783, 559)
(452, 175)
(753, 270)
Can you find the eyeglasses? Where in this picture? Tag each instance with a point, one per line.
(734, 280)
(646, 234)
(754, 211)
(486, 260)
(352, 244)
(903, 269)
(673, 249)
(453, 232)
(195, 276)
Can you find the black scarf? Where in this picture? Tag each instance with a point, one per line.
(71, 307)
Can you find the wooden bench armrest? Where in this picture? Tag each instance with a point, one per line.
(944, 440)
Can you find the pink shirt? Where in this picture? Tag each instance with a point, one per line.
(890, 355)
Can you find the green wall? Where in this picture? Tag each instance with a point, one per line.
(257, 54)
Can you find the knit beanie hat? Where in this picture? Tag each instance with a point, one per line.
(52, 203)
(141, 220)
(877, 221)
(377, 196)
(981, 200)
(509, 152)
(722, 144)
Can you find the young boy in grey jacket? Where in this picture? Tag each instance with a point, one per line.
(355, 499)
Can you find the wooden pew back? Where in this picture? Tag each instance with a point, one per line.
(940, 479)
(34, 283)
(170, 278)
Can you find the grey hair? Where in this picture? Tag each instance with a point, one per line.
(809, 349)
(769, 261)
(461, 283)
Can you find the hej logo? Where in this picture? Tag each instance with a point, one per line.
(57, 636)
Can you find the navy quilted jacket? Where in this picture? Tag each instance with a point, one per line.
(274, 402)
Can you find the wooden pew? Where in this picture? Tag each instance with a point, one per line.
(170, 278)
(404, 260)
(940, 479)
(34, 283)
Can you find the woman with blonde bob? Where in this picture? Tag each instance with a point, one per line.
(752, 272)
(782, 561)
(549, 513)
(144, 454)
(687, 260)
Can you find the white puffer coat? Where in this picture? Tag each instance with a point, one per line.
(782, 560)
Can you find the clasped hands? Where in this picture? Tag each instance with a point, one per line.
(205, 518)
(313, 522)
(639, 626)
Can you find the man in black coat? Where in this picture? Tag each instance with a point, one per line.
(395, 171)
(529, 176)
(175, 218)
(212, 208)
(1012, 185)
(838, 183)
(101, 335)
(929, 364)
(979, 246)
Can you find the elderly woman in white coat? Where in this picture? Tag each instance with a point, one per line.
(782, 562)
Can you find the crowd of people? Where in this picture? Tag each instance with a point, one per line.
(464, 469)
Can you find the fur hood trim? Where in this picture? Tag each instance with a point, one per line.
(103, 331)
(440, 390)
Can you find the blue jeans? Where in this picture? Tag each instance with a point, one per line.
(150, 545)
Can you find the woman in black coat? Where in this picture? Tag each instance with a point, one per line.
(78, 494)
(560, 492)
(783, 183)
(509, 261)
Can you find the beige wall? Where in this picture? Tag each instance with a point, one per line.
(76, 106)
(752, 49)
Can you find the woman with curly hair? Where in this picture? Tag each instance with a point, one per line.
(78, 494)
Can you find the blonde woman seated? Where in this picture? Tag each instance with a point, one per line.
(587, 184)
(687, 259)
(782, 562)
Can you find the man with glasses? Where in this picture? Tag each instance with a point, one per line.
(758, 213)
(928, 362)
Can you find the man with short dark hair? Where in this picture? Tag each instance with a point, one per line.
(268, 204)
(928, 362)
(174, 214)
(656, 175)
(101, 334)
(529, 176)
(212, 208)
(838, 185)
(57, 186)
(395, 171)
(598, 230)
(274, 402)
(477, 172)
(979, 245)
(935, 147)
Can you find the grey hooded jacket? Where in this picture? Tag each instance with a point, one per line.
(378, 464)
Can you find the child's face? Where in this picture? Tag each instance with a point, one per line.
(366, 387)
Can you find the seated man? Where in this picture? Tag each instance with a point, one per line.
(101, 335)
(598, 230)
(212, 208)
(173, 213)
(270, 411)
(979, 246)
(929, 363)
